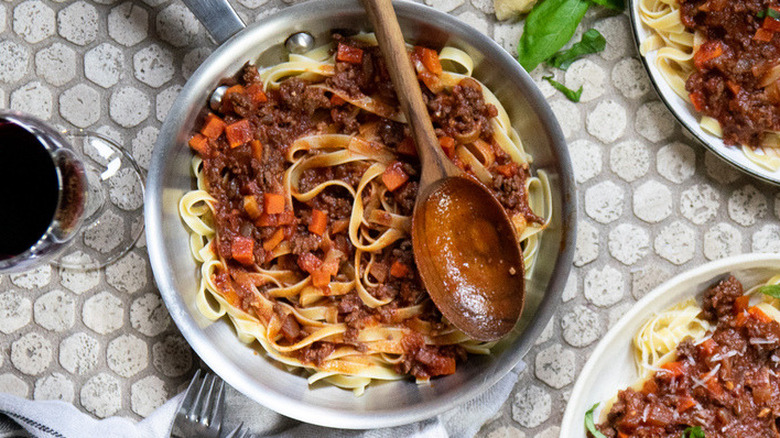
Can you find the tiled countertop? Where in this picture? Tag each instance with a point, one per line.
(653, 203)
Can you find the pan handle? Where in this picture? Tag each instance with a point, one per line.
(219, 18)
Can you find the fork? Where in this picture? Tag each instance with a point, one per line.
(200, 413)
(240, 432)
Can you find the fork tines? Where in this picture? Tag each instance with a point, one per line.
(201, 410)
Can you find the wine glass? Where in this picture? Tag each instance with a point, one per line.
(72, 198)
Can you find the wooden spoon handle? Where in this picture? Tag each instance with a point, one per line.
(435, 163)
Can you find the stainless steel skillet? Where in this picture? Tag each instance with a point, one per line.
(176, 273)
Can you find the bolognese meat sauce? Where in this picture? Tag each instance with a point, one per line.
(243, 170)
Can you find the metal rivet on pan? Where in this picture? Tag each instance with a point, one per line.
(215, 101)
(299, 42)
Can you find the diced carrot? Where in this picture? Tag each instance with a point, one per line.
(213, 126)
(650, 387)
(257, 150)
(242, 249)
(771, 24)
(235, 89)
(267, 220)
(399, 269)
(758, 314)
(238, 133)
(200, 144)
(274, 240)
(339, 226)
(741, 303)
(697, 99)
(394, 176)
(508, 170)
(734, 87)
(319, 222)
(430, 80)
(707, 52)
(320, 278)
(686, 403)
(448, 144)
(407, 147)
(763, 35)
(740, 320)
(255, 92)
(335, 100)
(430, 59)
(274, 203)
(712, 384)
(347, 53)
(622, 435)
(708, 347)
(675, 368)
(251, 206)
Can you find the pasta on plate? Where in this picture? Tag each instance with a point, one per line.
(723, 59)
(301, 217)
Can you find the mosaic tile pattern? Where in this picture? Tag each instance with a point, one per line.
(653, 203)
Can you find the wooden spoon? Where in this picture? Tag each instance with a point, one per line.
(465, 245)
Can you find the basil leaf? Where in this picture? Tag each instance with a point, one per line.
(589, 423)
(548, 27)
(592, 42)
(693, 432)
(617, 5)
(773, 290)
(570, 94)
(769, 11)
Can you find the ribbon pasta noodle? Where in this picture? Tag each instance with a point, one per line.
(674, 48)
(267, 300)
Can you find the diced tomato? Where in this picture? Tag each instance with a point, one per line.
(707, 52)
(650, 387)
(407, 147)
(255, 92)
(508, 170)
(335, 100)
(286, 217)
(708, 347)
(713, 385)
(213, 126)
(309, 262)
(347, 53)
(758, 314)
(741, 304)
(200, 144)
(399, 269)
(319, 222)
(771, 24)
(274, 241)
(448, 144)
(763, 35)
(320, 278)
(676, 369)
(430, 59)
(273, 202)
(238, 133)
(242, 249)
(257, 150)
(251, 206)
(394, 176)
(685, 404)
(697, 99)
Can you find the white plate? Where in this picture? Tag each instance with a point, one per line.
(685, 113)
(611, 365)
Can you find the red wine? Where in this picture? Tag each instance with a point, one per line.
(29, 189)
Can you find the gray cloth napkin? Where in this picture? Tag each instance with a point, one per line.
(56, 419)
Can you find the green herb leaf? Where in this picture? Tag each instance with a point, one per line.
(617, 5)
(773, 290)
(570, 94)
(770, 12)
(589, 423)
(548, 27)
(592, 42)
(693, 432)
